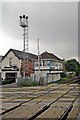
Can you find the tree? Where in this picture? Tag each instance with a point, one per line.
(73, 65)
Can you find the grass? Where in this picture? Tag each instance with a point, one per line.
(64, 80)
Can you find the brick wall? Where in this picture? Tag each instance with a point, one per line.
(30, 68)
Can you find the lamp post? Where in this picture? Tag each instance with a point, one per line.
(24, 25)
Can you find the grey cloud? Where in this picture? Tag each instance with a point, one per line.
(54, 23)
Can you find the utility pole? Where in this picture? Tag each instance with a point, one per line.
(38, 60)
(24, 25)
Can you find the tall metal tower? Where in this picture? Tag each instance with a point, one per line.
(24, 25)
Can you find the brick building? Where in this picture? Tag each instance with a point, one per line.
(12, 64)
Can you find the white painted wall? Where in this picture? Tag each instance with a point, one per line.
(41, 67)
(3, 75)
(0, 64)
(5, 63)
(51, 77)
(0, 67)
(56, 77)
(15, 60)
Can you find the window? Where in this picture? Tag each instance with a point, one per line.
(43, 63)
(36, 64)
(10, 61)
(40, 63)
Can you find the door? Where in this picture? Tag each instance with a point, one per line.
(11, 76)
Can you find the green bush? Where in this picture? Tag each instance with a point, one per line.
(35, 84)
(26, 82)
(63, 75)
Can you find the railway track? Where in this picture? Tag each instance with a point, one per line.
(54, 101)
(74, 80)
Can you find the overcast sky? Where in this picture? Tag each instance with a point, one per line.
(55, 24)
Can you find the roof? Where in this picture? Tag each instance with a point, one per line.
(20, 54)
(47, 55)
(1, 58)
